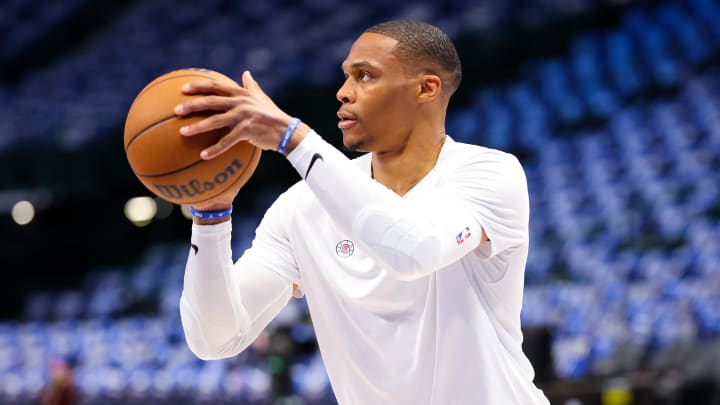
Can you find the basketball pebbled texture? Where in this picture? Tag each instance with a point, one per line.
(169, 164)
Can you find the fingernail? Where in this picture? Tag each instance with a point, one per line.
(186, 86)
(184, 130)
(204, 154)
(178, 109)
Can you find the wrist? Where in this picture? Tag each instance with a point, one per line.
(301, 132)
(288, 134)
(211, 214)
(200, 221)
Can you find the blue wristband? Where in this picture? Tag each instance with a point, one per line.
(211, 214)
(289, 131)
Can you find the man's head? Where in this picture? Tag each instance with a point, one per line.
(424, 48)
(399, 78)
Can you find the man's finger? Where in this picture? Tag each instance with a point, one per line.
(211, 86)
(208, 103)
(224, 144)
(215, 121)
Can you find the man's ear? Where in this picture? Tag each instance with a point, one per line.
(429, 87)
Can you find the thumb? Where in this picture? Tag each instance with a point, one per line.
(249, 82)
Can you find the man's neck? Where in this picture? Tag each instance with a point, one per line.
(401, 170)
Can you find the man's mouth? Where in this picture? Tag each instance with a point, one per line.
(346, 119)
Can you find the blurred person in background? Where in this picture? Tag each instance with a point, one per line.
(411, 256)
(60, 389)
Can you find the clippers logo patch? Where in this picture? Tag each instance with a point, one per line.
(463, 236)
(345, 248)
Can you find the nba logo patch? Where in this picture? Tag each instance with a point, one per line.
(345, 248)
(463, 236)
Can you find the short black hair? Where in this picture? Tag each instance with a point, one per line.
(423, 47)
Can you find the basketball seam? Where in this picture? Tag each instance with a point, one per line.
(172, 77)
(156, 123)
(150, 176)
(252, 156)
(166, 118)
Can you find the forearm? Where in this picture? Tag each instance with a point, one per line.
(411, 240)
(224, 309)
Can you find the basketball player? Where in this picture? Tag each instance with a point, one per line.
(411, 256)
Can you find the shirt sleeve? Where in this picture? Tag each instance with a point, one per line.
(271, 246)
(413, 240)
(225, 306)
(492, 187)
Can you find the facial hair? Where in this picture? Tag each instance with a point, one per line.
(354, 148)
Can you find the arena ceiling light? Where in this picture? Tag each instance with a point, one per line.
(23, 212)
(140, 210)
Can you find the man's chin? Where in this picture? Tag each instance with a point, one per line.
(354, 147)
(351, 145)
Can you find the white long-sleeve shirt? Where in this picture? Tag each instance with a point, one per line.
(408, 306)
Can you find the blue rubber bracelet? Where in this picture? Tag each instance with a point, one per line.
(211, 214)
(289, 131)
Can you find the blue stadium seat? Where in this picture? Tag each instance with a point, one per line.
(624, 222)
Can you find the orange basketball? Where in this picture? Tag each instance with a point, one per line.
(169, 164)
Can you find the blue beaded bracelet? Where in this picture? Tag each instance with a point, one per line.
(211, 214)
(289, 131)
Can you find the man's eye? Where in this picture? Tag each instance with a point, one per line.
(364, 76)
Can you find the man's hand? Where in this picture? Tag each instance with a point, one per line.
(251, 114)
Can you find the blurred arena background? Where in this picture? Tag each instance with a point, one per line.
(612, 106)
